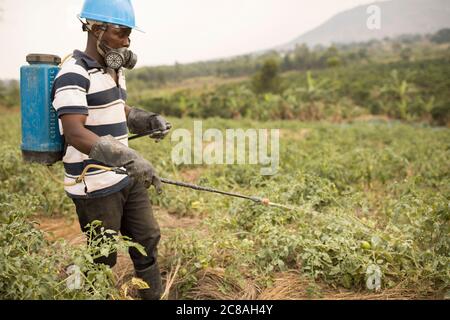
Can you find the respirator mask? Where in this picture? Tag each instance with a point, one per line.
(114, 58)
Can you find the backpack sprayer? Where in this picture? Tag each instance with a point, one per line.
(41, 139)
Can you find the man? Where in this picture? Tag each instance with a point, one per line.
(89, 96)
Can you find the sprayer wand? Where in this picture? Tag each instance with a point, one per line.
(263, 201)
(259, 200)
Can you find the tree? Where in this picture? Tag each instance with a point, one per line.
(287, 62)
(302, 57)
(442, 36)
(363, 53)
(267, 79)
(331, 57)
(333, 62)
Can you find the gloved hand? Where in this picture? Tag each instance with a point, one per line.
(113, 153)
(141, 121)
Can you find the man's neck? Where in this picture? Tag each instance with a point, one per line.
(93, 53)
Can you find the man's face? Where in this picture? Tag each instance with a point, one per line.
(117, 37)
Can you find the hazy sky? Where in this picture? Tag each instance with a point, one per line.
(176, 30)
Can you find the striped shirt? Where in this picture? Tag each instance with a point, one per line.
(83, 86)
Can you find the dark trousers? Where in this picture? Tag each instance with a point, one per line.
(128, 211)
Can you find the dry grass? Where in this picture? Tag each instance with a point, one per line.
(170, 279)
(293, 285)
(397, 293)
(213, 283)
(290, 286)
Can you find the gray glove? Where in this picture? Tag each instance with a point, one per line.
(141, 121)
(113, 153)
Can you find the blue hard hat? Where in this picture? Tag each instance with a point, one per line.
(119, 12)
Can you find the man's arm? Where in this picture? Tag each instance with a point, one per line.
(76, 134)
(108, 150)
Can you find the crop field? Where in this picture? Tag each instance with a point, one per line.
(370, 200)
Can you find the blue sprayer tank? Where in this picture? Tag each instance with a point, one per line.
(41, 139)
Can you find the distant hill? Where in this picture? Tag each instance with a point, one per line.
(397, 17)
